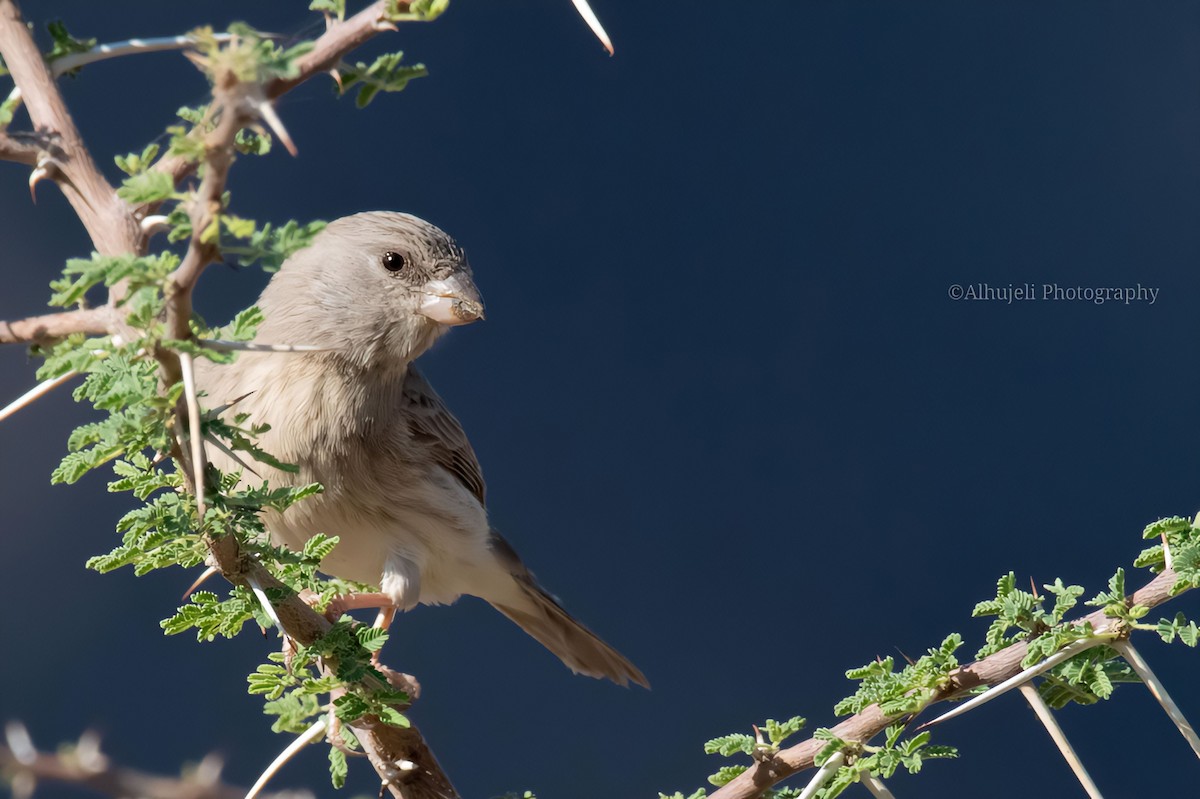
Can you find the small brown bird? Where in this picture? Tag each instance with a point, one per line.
(402, 488)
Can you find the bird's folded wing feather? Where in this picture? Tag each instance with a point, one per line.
(433, 425)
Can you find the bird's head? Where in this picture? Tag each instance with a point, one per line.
(377, 286)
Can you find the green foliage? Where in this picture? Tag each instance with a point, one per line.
(136, 163)
(1021, 616)
(905, 691)
(384, 74)
(1179, 627)
(1182, 537)
(1086, 678)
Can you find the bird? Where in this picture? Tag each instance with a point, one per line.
(402, 488)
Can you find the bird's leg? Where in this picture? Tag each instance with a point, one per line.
(345, 602)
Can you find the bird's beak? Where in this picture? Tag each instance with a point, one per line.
(452, 301)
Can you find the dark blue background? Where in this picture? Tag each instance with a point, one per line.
(724, 405)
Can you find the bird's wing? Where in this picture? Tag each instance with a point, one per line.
(432, 424)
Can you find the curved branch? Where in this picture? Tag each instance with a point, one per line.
(106, 217)
(864, 726)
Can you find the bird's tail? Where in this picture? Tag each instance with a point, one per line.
(540, 615)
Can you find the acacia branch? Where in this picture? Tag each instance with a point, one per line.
(84, 766)
(339, 40)
(864, 726)
(106, 217)
(93, 321)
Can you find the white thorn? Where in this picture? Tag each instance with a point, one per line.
(1046, 716)
(1014, 681)
(267, 607)
(267, 112)
(875, 786)
(16, 735)
(589, 17)
(254, 346)
(88, 754)
(209, 572)
(208, 772)
(155, 223)
(33, 394)
(305, 738)
(1159, 692)
(194, 432)
(822, 776)
(114, 49)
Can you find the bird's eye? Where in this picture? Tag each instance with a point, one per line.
(394, 261)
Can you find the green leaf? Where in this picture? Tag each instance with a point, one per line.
(728, 745)
(146, 187)
(336, 8)
(725, 775)
(337, 767)
(371, 638)
(385, 74)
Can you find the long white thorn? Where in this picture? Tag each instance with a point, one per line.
(254, 346)
(33, 394)
(209, 572)
(194, 432)
(589, 17)
(155, 223)
(875, 786)
(305, 738)
(16, 735)
(822, 776)
(267, 607)
(267, 112)
(1012, 682)
(1159, 692)
(116, 49)
(1046, 716)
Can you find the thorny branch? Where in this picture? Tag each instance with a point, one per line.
(84, 765)
(864, 726)
(404, 762)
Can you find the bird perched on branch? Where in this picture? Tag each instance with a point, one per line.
(402, 488)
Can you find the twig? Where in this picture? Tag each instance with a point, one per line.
(1159, 692)
(1046, 716)
(865, 725)
(93, 321)
(85, 766)
(302, 740)
(33, 394)
(24, 148)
